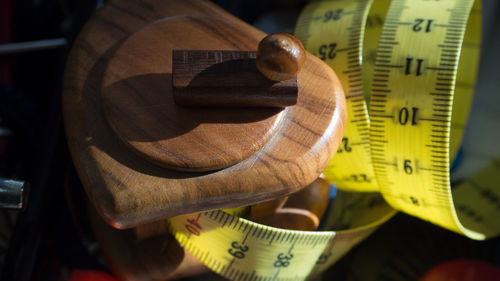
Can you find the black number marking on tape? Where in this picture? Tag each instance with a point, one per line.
(487, 194)
(327, 51)
(358, 178)
(417, 26)
(344, 146)
(374, 21)
(332, 15)
(323, 258)
(283, 260)
(404, 116)
(468, 211)
(407, 166)
(409, 61)
(237, 250)
(414, 201)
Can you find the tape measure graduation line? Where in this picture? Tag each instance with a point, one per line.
(239, 249)
(334, 32)
(411, 104)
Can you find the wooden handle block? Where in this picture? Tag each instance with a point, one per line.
(226, 79)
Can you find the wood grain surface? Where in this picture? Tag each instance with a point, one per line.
(139, 105)
(280, 56)
(128, 190)
(226, 79)
(302, 210)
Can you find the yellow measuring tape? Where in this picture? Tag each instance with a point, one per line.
(239, 249)
(408, 68)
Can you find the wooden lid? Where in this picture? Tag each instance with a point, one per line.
(139, 105)
(128, 190)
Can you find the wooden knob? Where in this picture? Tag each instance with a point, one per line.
(280, 56)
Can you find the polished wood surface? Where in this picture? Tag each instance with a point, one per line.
(227, 79)
(139, 105)
(302, 210)
(280, 56)
(128, 190)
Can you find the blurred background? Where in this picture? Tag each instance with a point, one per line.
(50, 239)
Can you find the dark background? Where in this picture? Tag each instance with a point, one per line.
(51, 237)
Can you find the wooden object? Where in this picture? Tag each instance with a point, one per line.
(128, 190)
(139, 106)
(300, 211)
(226, 79)
(280, 56)
(152, 229)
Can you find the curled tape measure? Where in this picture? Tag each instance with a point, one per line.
(419, 80)
(418, 73)
(239, 249)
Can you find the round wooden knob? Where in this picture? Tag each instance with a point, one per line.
(280, 56)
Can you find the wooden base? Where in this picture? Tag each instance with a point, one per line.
(128, 190)
(138, 101)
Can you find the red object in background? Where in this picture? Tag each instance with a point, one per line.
(463, 270)
(91, 275)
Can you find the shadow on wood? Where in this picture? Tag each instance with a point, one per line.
(127, 189)
(227, 79)
(143, 114)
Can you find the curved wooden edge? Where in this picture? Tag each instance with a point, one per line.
(94, 156)
(92, 54)
(140, 107)
(304, 210)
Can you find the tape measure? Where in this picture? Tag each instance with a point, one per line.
(418, 74)
(420, 89)
(239, 249)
